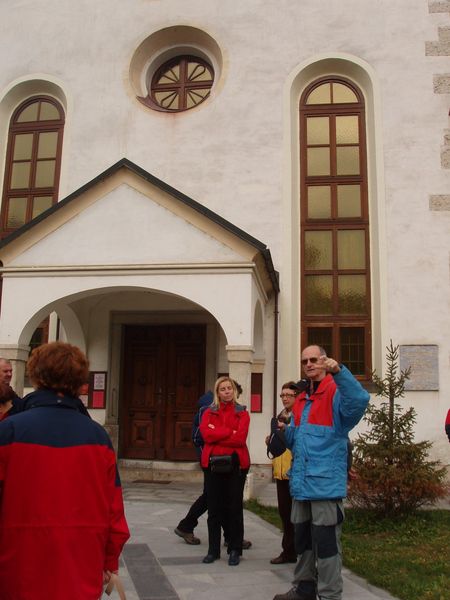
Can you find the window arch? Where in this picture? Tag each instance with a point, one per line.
(335, 271)
(33, 161)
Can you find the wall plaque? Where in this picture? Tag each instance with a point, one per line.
(424, 364)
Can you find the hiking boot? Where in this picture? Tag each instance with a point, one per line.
(188, 537)
(294, 594)
(281, 560)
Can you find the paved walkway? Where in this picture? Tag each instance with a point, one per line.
(158, 565)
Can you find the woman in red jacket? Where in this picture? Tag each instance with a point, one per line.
(225, 461)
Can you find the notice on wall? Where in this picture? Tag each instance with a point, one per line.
(97, 389)
(424, 363)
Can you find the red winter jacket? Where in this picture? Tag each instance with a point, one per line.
(447, 425)
(62, 521)
(231, 422)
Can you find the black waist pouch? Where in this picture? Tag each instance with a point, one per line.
(221, 464)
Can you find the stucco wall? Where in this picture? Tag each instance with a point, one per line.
(234, 153)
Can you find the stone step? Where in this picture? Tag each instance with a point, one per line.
(159, 471)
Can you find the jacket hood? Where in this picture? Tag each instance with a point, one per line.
(206, 399)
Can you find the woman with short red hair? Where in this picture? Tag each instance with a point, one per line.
(62, 522)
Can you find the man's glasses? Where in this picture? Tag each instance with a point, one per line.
(312, 360)
(288, 395)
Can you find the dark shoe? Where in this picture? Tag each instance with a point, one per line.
(293, 594)
(210, 558)
(189, 538)
(281, 560)
(234, 558)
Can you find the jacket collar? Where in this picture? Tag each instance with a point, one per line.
(226, 406)
(45, 397)
(324, 385)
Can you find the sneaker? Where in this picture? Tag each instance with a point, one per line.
(293, 594)
(189, 538)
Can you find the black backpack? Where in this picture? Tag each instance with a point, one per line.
(277, 443)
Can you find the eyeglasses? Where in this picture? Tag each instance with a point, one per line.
(312, 360)
(288, 395)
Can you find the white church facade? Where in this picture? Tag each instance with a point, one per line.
(198, 188)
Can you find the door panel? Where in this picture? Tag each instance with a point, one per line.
(163, 377)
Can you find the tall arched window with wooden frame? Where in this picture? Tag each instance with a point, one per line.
(335, 271)
(33, 161)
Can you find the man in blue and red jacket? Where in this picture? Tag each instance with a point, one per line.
(62, 522)
(318, 438)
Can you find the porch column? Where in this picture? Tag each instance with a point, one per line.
(17, 355)
(240, 360)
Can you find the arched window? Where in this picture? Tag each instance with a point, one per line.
(334, 223)
(33, 162)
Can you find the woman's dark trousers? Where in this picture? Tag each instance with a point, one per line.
(224, 492)
(284, 508)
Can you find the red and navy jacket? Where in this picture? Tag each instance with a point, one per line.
(62, 519)
(231, 422)
(447, 425)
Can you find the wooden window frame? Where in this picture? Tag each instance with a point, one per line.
(183, 86)
(335, 322)
(35, 128)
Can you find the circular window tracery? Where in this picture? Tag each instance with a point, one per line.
(180, 84)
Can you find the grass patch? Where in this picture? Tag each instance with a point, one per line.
(407, 556)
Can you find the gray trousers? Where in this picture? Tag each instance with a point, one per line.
(317, 526)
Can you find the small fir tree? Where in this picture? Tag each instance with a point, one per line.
(394, 474)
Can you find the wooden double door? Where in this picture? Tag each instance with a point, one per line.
(163, 377)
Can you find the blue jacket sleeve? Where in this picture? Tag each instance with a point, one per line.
(351, 399)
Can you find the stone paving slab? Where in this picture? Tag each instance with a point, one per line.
(158, 565)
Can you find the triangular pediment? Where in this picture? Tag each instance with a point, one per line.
(128, 217)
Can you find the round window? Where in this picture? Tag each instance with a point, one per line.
(180, 84)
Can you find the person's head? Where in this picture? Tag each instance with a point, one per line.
(7, 395)
(238, 387)
(224, 390)
(5, 371)
(288, 395)
(312, 360)
(59, 367)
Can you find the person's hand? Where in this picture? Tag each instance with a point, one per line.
(281, 425)
(211, 426)
(267, 439)
(107, 576)
(330, 365)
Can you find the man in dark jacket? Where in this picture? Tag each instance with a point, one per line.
(186, 526)
(16, 403)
